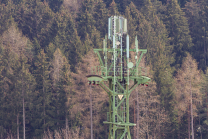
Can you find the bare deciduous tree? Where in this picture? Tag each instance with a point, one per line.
(74, 5)
(17, 44)
(82, 94)
(187, 92)
(151, 117)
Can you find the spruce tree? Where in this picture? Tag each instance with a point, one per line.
(113, 10)
(64, 92)
(85, 19)
(203, 111)
(178, 32)
(67, 39)
(41, 99)
(6, 16)
(10, 104)
(57, 65)
(100, 15)
(196, 15)
(35, 19)
(131, 21)
(55, 5)
(18, 53)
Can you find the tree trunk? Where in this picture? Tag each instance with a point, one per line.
(147, 121)
(137, 131)
(17, 125)
(91, 113)
(189, 123)
(66, 133)
(207, 103)
(204, 51)
(44, 115)
(23, 103)
(179, 129)
(43, 100)
(159, 133)
(200, 127)
(23, 97)
(192, 119)
(134, 121)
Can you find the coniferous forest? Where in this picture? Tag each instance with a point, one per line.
(46, 51)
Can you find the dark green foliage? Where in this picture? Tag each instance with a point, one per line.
(67, 38)
(42, 98)
(113, 9)
(178, 32)
(61, 99)
(7, 91)
(134, 18)
(36, 22)
(197, 17)
(203, 110)
(6, 16)
(55, 5)
(101, 17)
(162, 27)
(85, 19)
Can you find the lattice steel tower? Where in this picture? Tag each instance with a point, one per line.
(116, 70)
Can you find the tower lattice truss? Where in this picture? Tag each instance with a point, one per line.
(115, 73)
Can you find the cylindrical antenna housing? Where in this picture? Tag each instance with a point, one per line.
(127, 46)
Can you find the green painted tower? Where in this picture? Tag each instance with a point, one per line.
(115, 74)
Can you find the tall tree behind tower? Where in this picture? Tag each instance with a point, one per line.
(188, 94)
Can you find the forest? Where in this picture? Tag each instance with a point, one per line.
(46, 51)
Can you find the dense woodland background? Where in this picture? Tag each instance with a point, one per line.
(46, 52)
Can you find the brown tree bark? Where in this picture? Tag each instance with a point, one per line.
(17, 125)
(192, 124)
(189, 123)
(137, 127)
(66, 133)
(91, 112)
(23, 103)
(207, 104)
(134, 121)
